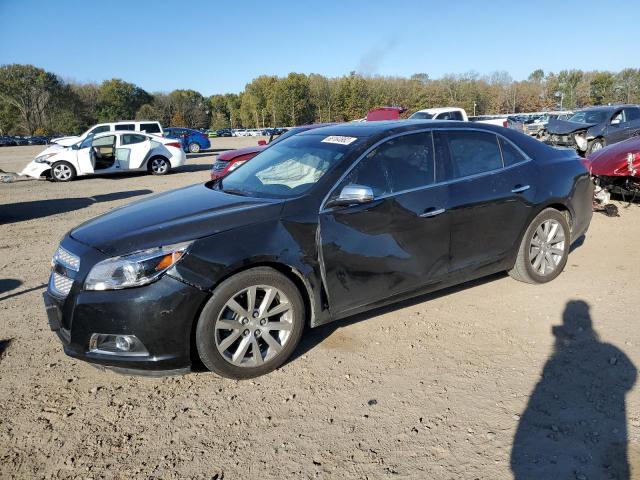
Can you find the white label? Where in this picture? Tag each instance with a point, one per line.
(339, 140)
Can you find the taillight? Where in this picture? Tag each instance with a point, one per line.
(173, 144)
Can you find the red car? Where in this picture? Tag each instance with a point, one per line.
(230, 160)
(616, 168)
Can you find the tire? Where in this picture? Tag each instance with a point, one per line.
(63, 172)
(595, 145)
(159, 166)
(226, 339)
(194, 147)
(528, 266)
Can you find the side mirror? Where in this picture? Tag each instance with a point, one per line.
(262, 143)
(352, 195)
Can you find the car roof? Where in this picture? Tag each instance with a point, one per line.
(440, 109)
(606, 108)
(368, 129)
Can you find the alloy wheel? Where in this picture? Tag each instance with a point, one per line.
(254, 326)
(194, 148)
(547, 247)
(62, 172)
(159, 165)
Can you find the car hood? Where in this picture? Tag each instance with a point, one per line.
(66, 141)
(179, 215)
(231, 154)
(562, 127)
(53, 148)
(612, 160)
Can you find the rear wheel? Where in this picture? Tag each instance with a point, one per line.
(194, 147)
(159, 166)
(251, 324)
(62, 172)
(544, 248)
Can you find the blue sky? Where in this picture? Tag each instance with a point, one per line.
(219, 46)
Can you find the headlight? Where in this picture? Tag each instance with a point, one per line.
(43, 158)
(136, 269)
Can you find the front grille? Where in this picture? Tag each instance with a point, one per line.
(60, 285)
(66, 259)
(219, 166)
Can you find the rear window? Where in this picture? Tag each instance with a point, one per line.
(125, 126)
(150, 127)
(421, 116)
(510, 154)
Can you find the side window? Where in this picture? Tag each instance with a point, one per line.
(455, 116)
(632, 114)
(126, 126)
(618, 118)
(472, 152)
(399, 164)
(510, 154)
(131, 138)
(106, 141)
(150, 127)
(100, 129)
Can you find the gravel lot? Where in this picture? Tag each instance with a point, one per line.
(448, 386)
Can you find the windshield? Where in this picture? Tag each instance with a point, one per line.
(595, 116)
(421, 116)
(286, 134)
(289, 168)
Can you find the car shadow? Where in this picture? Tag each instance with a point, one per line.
(575, 423)
(8, 284)
(315, 336)
(208, 153)
(4, 344)
(22, 211)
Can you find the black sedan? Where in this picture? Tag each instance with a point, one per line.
(323, 225)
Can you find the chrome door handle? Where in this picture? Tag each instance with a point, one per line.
(432, 212)
(520, 189)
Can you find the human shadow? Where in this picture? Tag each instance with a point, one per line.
(22, 211)
(575, 423)
(8, 284)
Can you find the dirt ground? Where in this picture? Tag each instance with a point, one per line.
(448, 386)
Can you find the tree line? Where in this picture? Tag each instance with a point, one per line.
(34, 101)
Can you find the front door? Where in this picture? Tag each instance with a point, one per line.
(394, 244)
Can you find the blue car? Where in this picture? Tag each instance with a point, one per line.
(192, 140)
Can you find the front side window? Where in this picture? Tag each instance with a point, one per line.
(131, 139)
(100, 129)
(125, 126)
(421, 116)
(472, 152)
(402, 163)
(150, 127)
(107, 141)
(290, 168)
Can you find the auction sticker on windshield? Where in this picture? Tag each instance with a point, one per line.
(339, 140)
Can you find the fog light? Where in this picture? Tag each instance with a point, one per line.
(117, 345)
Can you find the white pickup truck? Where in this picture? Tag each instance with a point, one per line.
(455, 113)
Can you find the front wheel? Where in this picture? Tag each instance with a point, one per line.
(251, 324)
(159, 166)
(62, 172)
(194, 147)
(544, 248)
(595, 145)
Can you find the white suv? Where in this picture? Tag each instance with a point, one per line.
(146, 126)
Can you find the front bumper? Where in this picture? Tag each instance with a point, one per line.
(160, 315)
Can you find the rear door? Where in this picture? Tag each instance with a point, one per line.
(632, 117)
(396, 243)
(132, 151)
(489, 201)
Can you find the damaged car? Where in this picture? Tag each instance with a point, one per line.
(616, 170)
(593, 128)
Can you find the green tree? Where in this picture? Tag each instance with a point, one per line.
(119, 100)
(601, 91)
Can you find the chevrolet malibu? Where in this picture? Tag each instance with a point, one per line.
(323, 225)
